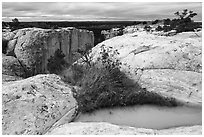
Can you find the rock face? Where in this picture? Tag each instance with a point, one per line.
(11, 69)
(34, 105)
(33, 46)
(11, 66)
(171, 65)
(103, 128)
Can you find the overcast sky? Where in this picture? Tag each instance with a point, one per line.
(95, 11)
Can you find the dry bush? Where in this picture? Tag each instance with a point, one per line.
(105, 85)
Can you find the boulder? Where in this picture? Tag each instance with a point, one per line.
(102, 128)
(170, 65)
(34, 105)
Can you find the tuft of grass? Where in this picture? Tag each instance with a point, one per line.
(105, 85)
(102, 87)
(73, 74)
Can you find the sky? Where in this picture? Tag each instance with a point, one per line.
(95, 11)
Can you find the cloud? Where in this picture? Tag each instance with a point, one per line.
(91, 11)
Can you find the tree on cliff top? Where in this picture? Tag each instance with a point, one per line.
(183, 23)
(185, 14)
(15, 24)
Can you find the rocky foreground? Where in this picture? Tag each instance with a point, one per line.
(34, 105)
(44, 104)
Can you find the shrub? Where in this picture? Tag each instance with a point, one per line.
(101, 87)
(56, 63)
(15, 24)
(159, 28)
(166, 28)
(167, 21)
(105, 85)
(120, 32)
(147, 28)
(73, 74)
(144, 22)
(155, 21)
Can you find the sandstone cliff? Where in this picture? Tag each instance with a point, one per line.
(34, 46)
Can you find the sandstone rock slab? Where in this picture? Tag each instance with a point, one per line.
(185, 86)
(102, 128)
(170, 65)
(32, 106)
(147, 51)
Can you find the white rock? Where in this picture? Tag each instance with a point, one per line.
(34, 105)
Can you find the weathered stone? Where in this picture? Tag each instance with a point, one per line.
(171, 65)
(36, 104)
(185, 86)
(10, 47)
(8, 35)
(151, 52)
(102, 128)
(97, 128)
(12, 67)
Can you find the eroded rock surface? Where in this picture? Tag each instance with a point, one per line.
(12, 67)
(102, 128)
(36, 104)
(170, 65)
